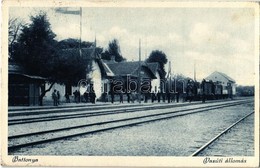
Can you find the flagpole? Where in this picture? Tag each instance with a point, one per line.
(175, 82)
(146, 48)
(169, 76)
(139, 72)
(80, 52)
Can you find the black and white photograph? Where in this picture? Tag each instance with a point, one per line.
(124, 83)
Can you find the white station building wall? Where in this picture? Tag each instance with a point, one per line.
(155, 83)
(58, 87)
(96, 78)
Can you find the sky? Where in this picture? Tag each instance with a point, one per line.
(211, 39)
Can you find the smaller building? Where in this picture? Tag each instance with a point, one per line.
(229, 84)
(23, 89)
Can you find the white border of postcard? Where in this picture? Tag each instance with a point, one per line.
(129, 160)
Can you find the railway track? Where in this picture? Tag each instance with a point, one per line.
(24, 140)
(220, 135)
(14, 120)
(70, 109)
(66, 109)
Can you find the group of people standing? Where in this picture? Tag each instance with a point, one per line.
(88, 96)
(162, 97)
(132, 96)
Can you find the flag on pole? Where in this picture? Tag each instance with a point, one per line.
(67, 10)
(73, 11)
(80, 12)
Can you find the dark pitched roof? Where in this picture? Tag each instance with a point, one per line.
(132, 68)
(153, 66)
(123, 68)
(86, 52)
(15, 69)
(105, 70)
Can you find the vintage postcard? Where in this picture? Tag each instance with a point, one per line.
(130, 83)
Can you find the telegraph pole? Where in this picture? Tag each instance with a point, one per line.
(174, 76)
(169, 80)
(194, 71)
(95, 46)
(175, 83)
(139, 73)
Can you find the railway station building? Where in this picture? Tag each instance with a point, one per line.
(103, 75)
(129, 71)
(108, 75)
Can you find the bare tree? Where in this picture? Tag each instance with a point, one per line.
(14, 28)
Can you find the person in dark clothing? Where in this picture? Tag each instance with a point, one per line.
(133, 96)
(112, 96)
(153, 96)
(67, 96)
(128, 97)
(58, 97)
(169, 97)
(172, 97)
(86, 96)
(190, 96)
(203, 98)
(93, 97)
(104, 97)
(121, 97)
(163, 96)
(76, 96)
(145, 97)
(203, 90)
(55, 98)
(229, 89)
(177, 97)
(159, 96)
